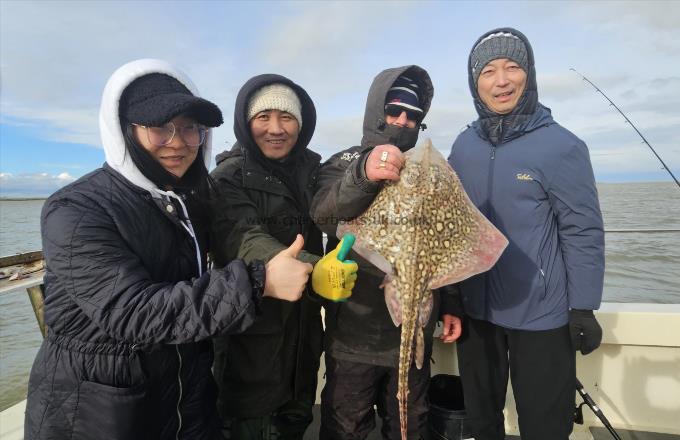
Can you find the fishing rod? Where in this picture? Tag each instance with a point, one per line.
(587, 400)
(631, 124)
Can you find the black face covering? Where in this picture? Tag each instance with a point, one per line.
(403, 138)
(154, 171)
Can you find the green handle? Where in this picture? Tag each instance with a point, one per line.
(347, 243)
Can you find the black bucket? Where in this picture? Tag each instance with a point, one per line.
(447, 419)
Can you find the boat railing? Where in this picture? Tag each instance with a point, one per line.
(639, 231)
(25, 271)
(638, 357)
(26, 277)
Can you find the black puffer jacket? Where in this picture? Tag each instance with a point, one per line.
(257, 215)
(128, 312)
(361, 330)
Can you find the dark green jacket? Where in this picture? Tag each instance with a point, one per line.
(361, 330)
(255, 216)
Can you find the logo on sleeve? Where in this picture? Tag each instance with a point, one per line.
(349, 156)
(524, 176)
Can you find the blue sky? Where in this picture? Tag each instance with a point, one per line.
(55, 58)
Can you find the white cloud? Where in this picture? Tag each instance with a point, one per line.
(659, 16)
(657, 21)
(323, 44)
(54, 70)
(57, 124)
(37, 184)
(57, 56)
(568, 85)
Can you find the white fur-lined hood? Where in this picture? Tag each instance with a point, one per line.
(109, 122)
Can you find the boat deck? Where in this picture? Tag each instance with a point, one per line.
(312, 432)
(596, 433)
(633, 377)
(12, 424)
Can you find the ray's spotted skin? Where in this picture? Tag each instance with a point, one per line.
(424, 233)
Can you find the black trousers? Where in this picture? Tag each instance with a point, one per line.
(542, 369)
(353, 388)
(289, 422)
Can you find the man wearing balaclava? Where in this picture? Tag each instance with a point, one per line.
(526, 317)
(361, 341)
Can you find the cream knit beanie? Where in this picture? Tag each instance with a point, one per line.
(275, 97)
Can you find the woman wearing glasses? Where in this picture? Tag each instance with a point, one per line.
(129, 301)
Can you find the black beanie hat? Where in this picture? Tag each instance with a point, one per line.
(156, 98)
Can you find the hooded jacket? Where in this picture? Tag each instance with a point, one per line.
(129, 305)
(533, 180)
(361, 330)
(257, 214)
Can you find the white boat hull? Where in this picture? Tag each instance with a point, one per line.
(634, 377)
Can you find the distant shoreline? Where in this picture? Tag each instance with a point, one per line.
(642, 182)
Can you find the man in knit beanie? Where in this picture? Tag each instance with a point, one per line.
(527, 316)
(496, 46)
(275, 97)
(267, 377)
(275, 118)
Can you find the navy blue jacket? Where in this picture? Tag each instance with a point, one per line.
(533, 180)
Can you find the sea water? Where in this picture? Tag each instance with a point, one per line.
(640, 266)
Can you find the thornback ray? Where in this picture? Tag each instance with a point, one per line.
(424, 233)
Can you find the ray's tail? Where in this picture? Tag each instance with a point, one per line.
(405, 358)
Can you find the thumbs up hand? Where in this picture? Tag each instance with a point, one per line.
(334, 277)
(286, 276)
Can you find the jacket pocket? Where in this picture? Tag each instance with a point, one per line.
(109, 413)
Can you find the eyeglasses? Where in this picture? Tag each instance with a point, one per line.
(396, 110)
(193, 134)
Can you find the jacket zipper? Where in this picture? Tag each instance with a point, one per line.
(492, 161)
(186, 224)
(190, 230)
(492, 158)
(179, 399)
(500, 131)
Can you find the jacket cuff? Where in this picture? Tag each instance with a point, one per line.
(450, 301)
(308, 257)
(358, 173)
(257, 273)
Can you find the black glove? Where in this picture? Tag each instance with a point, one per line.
(586, 333)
